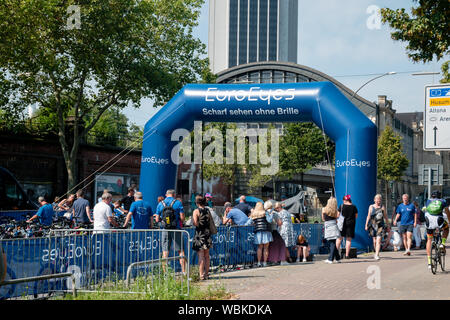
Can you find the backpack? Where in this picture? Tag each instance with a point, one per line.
(435, 207)
(168, 217)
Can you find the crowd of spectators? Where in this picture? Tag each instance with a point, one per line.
(273, 229)
(274, 234)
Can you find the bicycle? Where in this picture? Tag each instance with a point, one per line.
(437, 253)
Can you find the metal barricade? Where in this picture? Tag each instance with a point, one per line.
(99, 261)
(102, 259)
(28, 274)
(127, 261)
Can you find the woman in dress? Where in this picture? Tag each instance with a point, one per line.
(263, 236)
(330, 214)
(286, 229)
(202, 237)
(277, 248)
(375, 223)
(350, 213)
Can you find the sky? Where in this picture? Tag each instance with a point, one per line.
(342, 38)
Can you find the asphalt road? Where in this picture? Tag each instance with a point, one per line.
(394, 277)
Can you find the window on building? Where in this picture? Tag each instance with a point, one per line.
(403, 128)
(232, 37)
(254, 77)
(263, 30)
(290, 77)
(410, 132)
(243, 78)
(266, 76)
(253, 35)
(301, 78)
(273, 30)
(278, 76)
(243, 31)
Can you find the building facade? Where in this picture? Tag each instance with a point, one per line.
(246, 31)
(409, 126)
(39, 167)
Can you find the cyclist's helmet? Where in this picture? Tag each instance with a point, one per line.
(436, 194)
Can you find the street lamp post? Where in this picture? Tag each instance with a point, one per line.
(384, 74)
(377, 108)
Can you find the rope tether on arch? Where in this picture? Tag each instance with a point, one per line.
(326, 147)
(150, 132)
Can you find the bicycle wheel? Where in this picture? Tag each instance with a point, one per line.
(442, 259)
(434, 258)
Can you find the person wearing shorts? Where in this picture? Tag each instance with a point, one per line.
(434, 218)
(408, 221)
(169, 237)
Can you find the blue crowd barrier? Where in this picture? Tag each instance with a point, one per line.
(18, 215)
(96, 256)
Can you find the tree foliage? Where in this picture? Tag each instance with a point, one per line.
(444, 69)
(301, 147)
(426, 30)
(392, 162)
(226, 171)
(122, 52)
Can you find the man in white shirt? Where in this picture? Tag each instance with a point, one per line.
(103, 217)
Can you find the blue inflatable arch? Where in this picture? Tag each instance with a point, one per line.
(354, 134)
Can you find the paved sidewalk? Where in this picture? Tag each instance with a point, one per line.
(400, 277)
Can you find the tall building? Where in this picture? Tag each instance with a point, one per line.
(245, 31)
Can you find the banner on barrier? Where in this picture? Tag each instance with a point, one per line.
(97, 256)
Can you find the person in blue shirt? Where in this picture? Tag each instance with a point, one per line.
(140, 213)
(234, 215)
(408, 221)
(243, 206)
(45, 213)
(172, 236)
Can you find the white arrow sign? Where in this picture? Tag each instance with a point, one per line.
(437, 118)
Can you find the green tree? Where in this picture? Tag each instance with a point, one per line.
(426, 30)
(392, 162)
(302, 146)
(120, 52)
(226, 171)
(135, 133)
(444, 69)
(111, 129)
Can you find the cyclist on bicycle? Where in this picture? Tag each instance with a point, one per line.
(434, 218)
